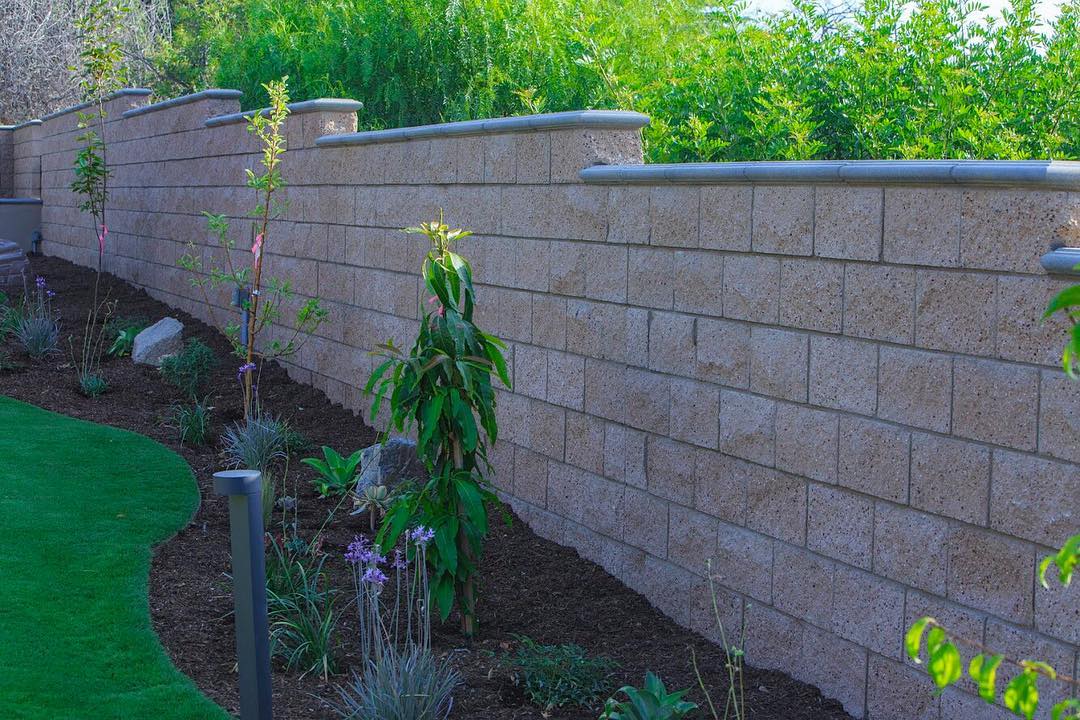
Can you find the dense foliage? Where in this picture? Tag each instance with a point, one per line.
(933, 79)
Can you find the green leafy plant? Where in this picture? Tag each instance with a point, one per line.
(192, 422)
(1067, 302)
(407, 683)
(92, 385)
(102, 71)
(301, 611)
(653, 702)
(259, 296)
(555, 676)
(375, 500)
(120, 333)
(259, 443)
(189, 370)
(336, 474)
(6, 362)
(442, 388)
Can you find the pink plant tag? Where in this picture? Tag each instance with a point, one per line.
(101, 238)
(256, 249)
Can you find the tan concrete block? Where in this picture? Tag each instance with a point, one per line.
(1009, 229)
(806, 441)
(723, 352)
(922, 226)
(1017, 643)
(835, 666)
(950, 477)
(915, 388)
(1059, 416)
(576, 149)
(530, 371)
(752, 288)
(673, 211)
(778, 363)
(1057, 610)
(596, 330)
(667, 587)
(725, 217)
(585, 446)
(695, 411)
(803, 584)
(899, 692)
(699, 282)
(1021, 333)
(720, 485)
(840, 525)
(847, 222)
(874, 458)
(549, 315)
(773, 640)
(869, 611)
(691, 539)
(963, 621)
(955, 311)
(532, 157)
(587, 499)
(638, 398)
(645, 522)
(670, 469)
(812, 294)
(879, 302)
(995, 402)
(565, 379)
(671, 343)
(784, 219)
(708, 616)
(992, 573)
(748, 426)
(776, 504)
(530, 476)
(744, 562)
(843, 374)
(628, 215)
(537, 426)
(651, 278)
(910, 547)
(1034, 499)
(499, 159)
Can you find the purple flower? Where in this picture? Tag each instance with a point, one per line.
(400, 563)
(374, 576)
(50, 293)
(422, 535)
(245, 368)
(40, 282)
(356, 551)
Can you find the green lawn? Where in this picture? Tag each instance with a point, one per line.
(81, 505)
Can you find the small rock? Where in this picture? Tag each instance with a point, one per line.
(157, 342)
(389, 464)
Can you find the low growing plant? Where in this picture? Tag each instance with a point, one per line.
(443, 389)
(402, 684)
(258, 443)
(336, 474)
(120, 333)
(37, 329)
(6, 362)
(375, 500)
(192, 422)
(189, 370)
(555, 676)
(92, 384)
(301, 611)
(653, 702)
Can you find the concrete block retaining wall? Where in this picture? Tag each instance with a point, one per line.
(828, 379)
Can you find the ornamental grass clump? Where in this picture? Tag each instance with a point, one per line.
(259, 443)
(443, 390)
(37, 328)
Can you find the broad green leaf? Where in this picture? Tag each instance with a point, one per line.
(1070, 706)
(913, 638)
(944, 663)
(1022, 694)
(446, 542)
(1067, 298)
(983, 671)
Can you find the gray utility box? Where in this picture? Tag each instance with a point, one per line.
(20, 218)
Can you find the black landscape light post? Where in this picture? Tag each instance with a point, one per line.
(244, 489)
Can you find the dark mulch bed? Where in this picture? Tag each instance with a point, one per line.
(530, 586)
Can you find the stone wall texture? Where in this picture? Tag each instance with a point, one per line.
(838, 394)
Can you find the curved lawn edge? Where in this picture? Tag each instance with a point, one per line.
(81, 507)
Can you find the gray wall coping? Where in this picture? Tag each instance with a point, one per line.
(1036, 173)
(211, 94)
(138, 92)
(23, 124)
(1062, 261)
(298, 108)
(20, 201)
(614, 119)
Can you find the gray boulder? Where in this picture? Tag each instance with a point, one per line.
(389, 464)
(157, 342)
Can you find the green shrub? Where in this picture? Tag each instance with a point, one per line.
(401, 684)
(189, 370)
(192, 422)
(336, 474)
(258, 443)
(120, 334)
(92, 384)
(653, 702)
(301, 612)
(880, 79)
(555, 676)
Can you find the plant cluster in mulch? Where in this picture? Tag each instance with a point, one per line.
(530, 586)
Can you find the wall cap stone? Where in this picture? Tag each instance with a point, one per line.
(211, 94)
(1030, 173)
(298, 108)
(1062, 261)
(613, 119)
(20, 201)
(137, 92)
(20, 125)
